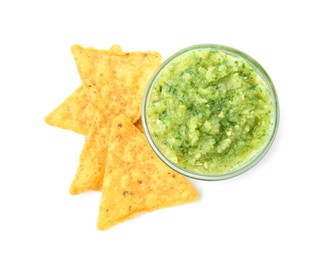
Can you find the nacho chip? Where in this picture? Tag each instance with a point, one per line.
(101, 65)
(92, 162)
(87, 59)
(116, 87)
(74, 113)
(71, 114)
(136, 180)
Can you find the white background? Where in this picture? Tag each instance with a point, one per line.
(281, 209)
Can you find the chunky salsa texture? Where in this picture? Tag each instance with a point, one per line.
(209, 111)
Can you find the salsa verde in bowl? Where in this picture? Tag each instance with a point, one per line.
(210, 112)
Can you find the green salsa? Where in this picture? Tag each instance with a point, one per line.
(209, 111)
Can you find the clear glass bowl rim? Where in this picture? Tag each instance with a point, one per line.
(213, 176)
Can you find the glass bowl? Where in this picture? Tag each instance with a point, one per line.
(256, 156)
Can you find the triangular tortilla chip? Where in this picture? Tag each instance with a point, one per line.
(136, 180)
(116, 87)
(93, 160)
(74, 113)
(71, 114)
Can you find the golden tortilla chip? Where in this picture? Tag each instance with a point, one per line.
(71, 114)
(87, 59)
(74, 113)
(92, 162)
(116, 87)
(136, 180)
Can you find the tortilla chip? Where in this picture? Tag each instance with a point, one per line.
(71, 114)
(87, 59)
(120, 80)
(136, 180)
(116, 87)
(93, 159)
(92, 162)
(74, 113)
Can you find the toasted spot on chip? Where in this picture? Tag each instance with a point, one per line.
(139, 125)
(136, 180)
